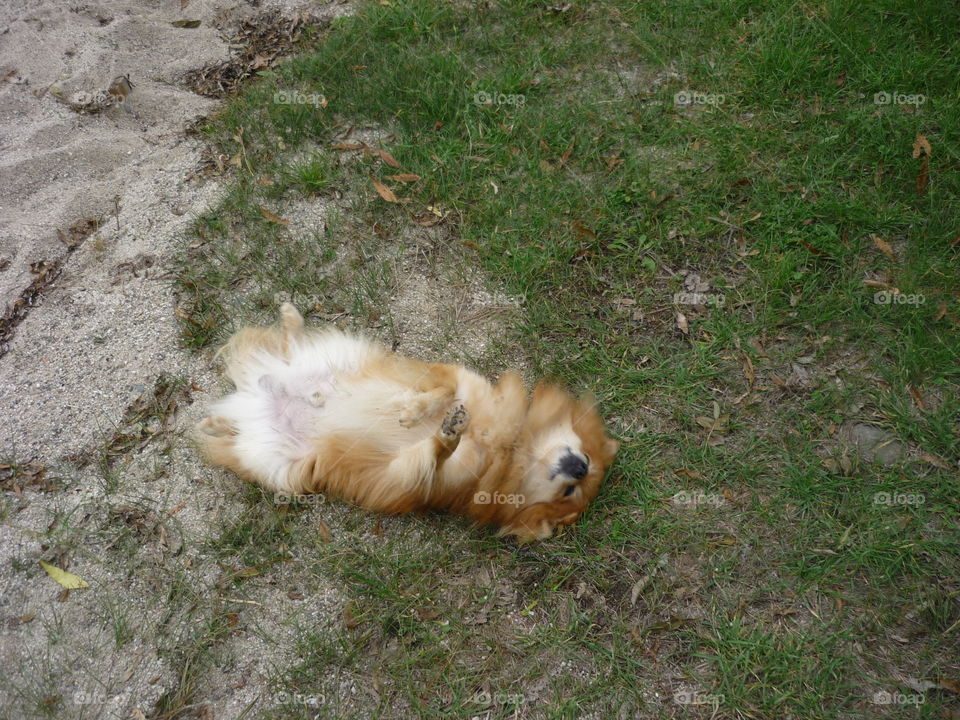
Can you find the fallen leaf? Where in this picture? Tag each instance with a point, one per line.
(582, 231)
(884, 247)
(923, 177)
(348, 618)
(191, 24)
(324, 531)
(638, 588)
(951, 685)
(404, 177)
(388, 158)
(921, 146)
(273, 217)
(384, 192)
(66, 579)
(935, 461)
(918, 398)
(690, 473)
(748, 371)
(682, 323)
(348, 146)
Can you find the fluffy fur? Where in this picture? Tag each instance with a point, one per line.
(323, 411)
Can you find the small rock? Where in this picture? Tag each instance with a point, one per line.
(872, 443)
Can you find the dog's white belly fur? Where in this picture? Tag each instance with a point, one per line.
(281, 408)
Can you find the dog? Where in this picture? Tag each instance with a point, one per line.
(325, 411)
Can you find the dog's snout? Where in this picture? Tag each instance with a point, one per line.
(574, 466)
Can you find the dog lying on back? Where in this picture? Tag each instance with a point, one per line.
(323, 411)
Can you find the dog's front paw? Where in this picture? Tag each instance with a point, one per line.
(525, 533)
(454, 423)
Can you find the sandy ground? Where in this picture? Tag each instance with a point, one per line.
(98, 338)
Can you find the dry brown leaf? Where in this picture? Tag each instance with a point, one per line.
(348, 617)
(582, 231)
(923, 177)
(388, 158)
(935, 461)
(921, 146)
(384, 192)
(748, 371)
(324, 531)
(404, 177)
(884, 247)
(348, 146)
(951, 685)
(682, 324)
(690, 473)
(918, 398)
(273, 217)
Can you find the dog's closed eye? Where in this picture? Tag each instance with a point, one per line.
(569, 491)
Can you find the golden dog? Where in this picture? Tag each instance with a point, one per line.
(324, 411)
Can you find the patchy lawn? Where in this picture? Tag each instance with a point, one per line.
(735, 225)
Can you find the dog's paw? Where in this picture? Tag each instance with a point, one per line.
(290, 318)
(525, 533)
(412, 413)
(454, 422)
(217, 426)
(318, 398)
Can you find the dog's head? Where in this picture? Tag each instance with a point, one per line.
(568, 452)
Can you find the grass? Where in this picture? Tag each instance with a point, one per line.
(786, 195)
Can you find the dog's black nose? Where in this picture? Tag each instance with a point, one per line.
(573, 466)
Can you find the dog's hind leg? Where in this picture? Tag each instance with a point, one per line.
(423, 405)
(291, 325)
(217, 426)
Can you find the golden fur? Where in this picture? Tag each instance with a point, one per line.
(321, 411)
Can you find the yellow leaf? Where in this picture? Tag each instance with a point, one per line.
(404, 177)
(68, 580)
